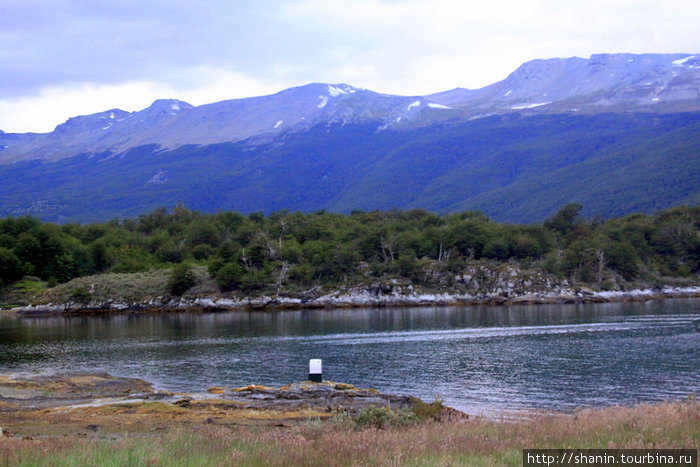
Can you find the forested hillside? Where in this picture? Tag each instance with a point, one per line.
(292, 252)
(513, 168)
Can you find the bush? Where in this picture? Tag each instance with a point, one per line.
(383, 417)
(253, 281)
(229, 276)
(427, 410)
(81, 295)
(202, 252)
(10, 267)
(24, 291)
(181, 279)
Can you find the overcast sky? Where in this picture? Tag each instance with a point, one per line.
(61, 58)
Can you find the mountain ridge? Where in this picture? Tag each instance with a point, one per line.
(339, 148)
(602, 83)
(511, 167)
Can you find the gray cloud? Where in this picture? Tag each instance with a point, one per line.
(190, 48)
(53, 43)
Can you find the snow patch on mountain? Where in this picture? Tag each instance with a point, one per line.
(158, 178)
(529, 106)
(682, 61)
(335, 91)
(619, 82)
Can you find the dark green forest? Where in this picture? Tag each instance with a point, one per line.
(514, 168)
(293, 251)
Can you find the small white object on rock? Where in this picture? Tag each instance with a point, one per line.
(315, 370)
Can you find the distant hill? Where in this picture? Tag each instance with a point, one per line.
(514, 168)
(618, 133)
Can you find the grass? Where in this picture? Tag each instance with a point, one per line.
(128, 288)
(21, 293)
(139, 287)
(335, 443)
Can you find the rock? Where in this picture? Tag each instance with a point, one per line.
(252, 388)
(343, 386)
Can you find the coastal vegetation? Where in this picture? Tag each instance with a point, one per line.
(295, 254)
(337, 442)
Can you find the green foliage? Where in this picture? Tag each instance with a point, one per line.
(513, 168)
(297, 252)
(10, 267)
(24, 291)
(254, 280)
(384, 417)
(181, 279)
(202, 252)
(496, 248)
(566, 219)
(428, 410)
(81, 295)
(623, 258)
(229, 276)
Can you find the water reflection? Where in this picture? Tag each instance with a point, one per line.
(476, 358)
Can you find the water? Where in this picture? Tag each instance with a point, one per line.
(478, 359)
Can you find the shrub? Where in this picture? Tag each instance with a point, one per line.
(81, 295)
(181, 278)
(10, 267)
(202, 252)
(229, 276)
(383, 417)
(427, 410)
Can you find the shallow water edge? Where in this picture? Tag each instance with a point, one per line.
(359, 298)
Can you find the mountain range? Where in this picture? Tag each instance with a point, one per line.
(619, 133)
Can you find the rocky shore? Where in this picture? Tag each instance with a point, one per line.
(33, 405)
(224, 428)
(394, 295)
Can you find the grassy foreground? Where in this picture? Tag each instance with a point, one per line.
(341, 443)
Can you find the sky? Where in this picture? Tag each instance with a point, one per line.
(62, 58)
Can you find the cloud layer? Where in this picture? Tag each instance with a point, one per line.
(78, 56)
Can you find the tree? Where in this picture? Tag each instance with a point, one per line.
(229, 276)
(566, 219)
(10, 267)
(181, 279)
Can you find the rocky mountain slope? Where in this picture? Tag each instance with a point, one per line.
(602, 83)
(171, 123)
(605, 82)
(619, 133)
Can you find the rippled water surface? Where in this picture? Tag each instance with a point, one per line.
(478, 359)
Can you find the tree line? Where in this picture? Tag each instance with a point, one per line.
(296, 251)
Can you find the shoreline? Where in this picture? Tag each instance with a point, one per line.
(42, 423)
(355, 298)
(87, 396)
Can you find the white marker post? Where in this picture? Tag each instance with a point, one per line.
(315, 373)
